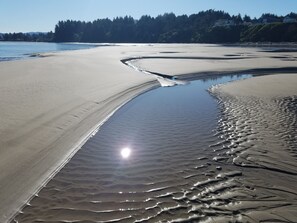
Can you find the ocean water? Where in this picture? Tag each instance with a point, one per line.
(21, 50)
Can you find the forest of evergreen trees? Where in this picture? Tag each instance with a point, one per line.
(204, 27)
(30, 37)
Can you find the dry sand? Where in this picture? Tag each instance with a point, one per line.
(50, 105)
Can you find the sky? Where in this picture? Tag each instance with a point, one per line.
(43, 15)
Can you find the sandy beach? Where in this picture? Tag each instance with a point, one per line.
(51, 105)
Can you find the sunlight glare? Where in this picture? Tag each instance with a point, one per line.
(125, 152)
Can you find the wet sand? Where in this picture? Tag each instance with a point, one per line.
(52, 104)
(260, 123)
(268, 105)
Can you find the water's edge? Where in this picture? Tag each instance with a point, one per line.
(231, 174)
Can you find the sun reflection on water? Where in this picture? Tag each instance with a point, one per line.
(126, 152)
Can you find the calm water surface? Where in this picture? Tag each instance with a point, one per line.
(155, 160)
(21, 50)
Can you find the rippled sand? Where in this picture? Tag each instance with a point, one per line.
(260, 124)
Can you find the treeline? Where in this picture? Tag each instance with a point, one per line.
(163, 28)
(204, 27)
(30, 37)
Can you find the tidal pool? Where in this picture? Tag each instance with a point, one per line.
(161, 157)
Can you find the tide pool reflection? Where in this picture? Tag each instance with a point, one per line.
(151, 161)
(125, 153)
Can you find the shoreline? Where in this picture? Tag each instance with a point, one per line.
(30, 50)
(119, 99)
(69, 141)
(89, 134)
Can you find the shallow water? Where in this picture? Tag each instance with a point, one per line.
(21, 50)
(178, 168)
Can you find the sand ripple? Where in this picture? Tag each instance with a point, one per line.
(260, 135)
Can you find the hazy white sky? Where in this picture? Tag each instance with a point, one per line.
(43, 15)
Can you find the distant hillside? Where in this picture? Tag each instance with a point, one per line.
(204, 27)
(275, 32)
